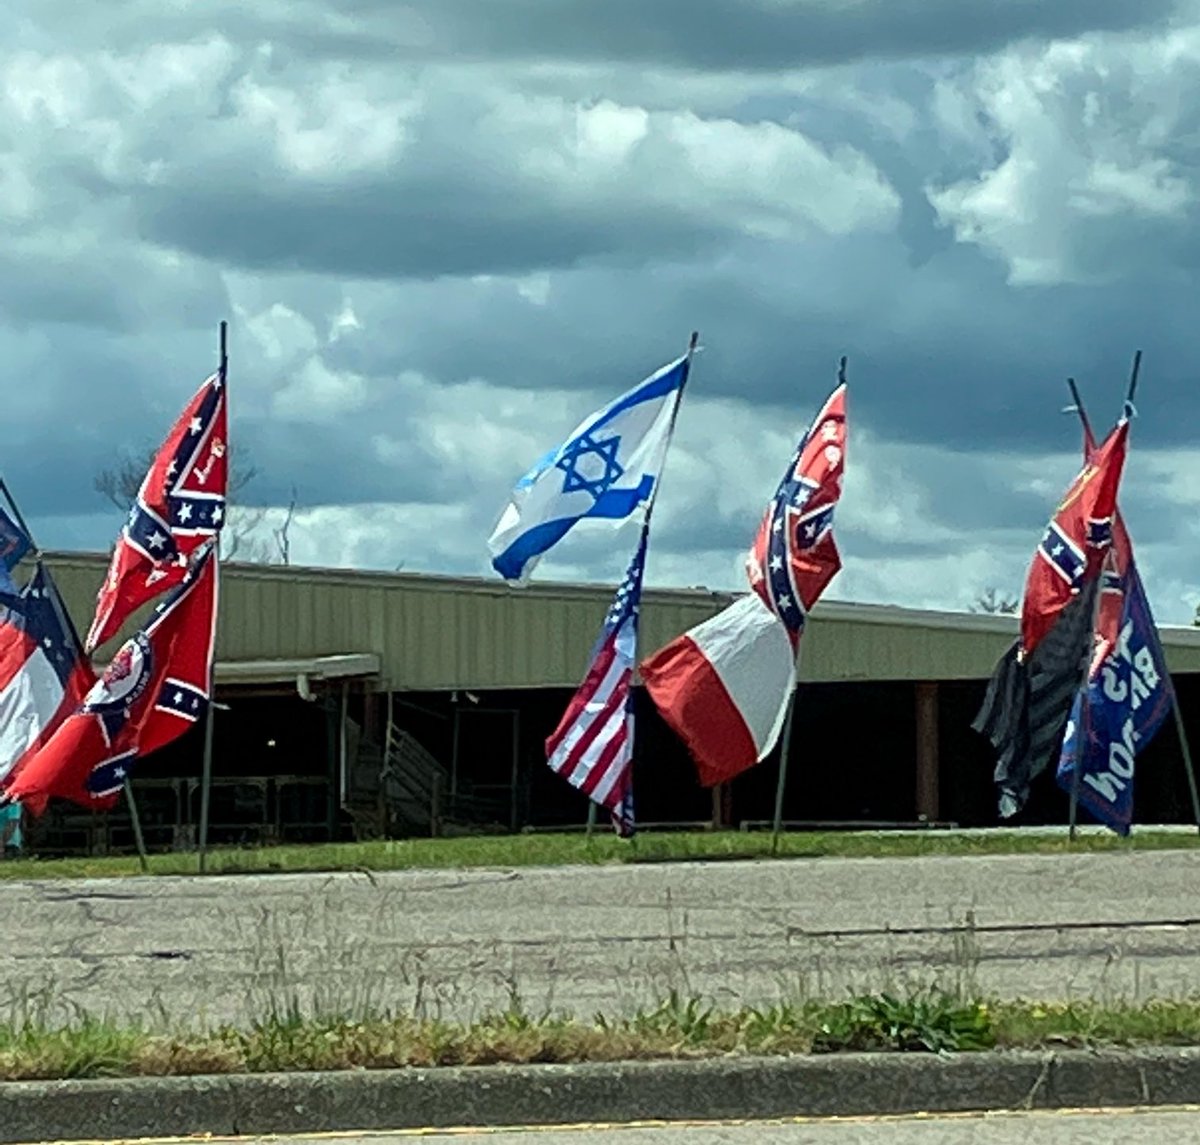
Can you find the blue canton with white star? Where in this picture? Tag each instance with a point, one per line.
(109, 776)
(1063, 554)
(39, 613)
(188, 512)
(627, 602)
(180, 699)
(792, 530)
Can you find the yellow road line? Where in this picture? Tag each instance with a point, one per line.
(590, 1126)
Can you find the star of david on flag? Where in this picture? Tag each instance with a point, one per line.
(605, 470)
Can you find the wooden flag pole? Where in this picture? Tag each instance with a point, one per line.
(134, 819)
(786, 739)
(206, 767)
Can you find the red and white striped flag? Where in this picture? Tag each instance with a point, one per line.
(592, 747)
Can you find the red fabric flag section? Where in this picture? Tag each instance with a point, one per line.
(794, 555)
(44, 674)
(181, 504)
(723, 687)
(1077, 540)
(156, 687)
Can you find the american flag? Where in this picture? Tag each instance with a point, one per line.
(592, 747)
(794, 555)
(181, 503)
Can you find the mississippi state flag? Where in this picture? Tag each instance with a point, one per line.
(1076, 540)
(43, 672)
(181, 503)
(794, 555)
(592, 747)
(156, 687)
(723, 687)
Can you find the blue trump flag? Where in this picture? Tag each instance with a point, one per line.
(1124, 704)
(14, 544)
(606, 469)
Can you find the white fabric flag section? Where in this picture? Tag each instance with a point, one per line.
(604, 470)
(724, 687)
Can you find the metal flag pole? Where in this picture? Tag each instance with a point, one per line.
(206, 767)
(693, 342)
(1081, 734)
(785, 746)
(134, 819)
(1180, 729)
(1185, 750)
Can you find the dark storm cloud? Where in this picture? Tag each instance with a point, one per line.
(713, 35)
(339, 467)
(394, 229)
(759, 34)
(944, 353)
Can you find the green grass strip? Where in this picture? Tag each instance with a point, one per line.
(678, 1028)
(554, 850)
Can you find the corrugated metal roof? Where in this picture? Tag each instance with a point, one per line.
(440, 632)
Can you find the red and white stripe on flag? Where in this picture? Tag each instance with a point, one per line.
(724, 686)
(592, 747)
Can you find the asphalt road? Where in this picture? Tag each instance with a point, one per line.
(1130, 1127)
(457, 943)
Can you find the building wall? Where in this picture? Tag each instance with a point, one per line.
(442, 633)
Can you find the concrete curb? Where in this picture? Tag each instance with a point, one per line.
(843, 1084)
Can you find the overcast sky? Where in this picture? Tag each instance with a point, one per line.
(443, 232)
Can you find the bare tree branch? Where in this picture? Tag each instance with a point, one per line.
(991, 600)
(120, 483)
(281, 533)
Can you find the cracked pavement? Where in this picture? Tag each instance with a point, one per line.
(458, 944)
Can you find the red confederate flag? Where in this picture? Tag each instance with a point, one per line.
(154, 689)
(1028, 701)
(794, 555)
(1076, 541)
(180, 504)
(1112, 581)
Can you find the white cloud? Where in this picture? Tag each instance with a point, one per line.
(1084, 140)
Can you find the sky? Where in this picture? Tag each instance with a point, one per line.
(443, 232)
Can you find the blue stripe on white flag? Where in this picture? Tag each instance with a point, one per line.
(606, 469)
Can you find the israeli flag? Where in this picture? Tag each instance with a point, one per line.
(605, 469)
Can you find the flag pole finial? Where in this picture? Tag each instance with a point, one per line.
(1129, 411)
(223, 340)
(841, 374)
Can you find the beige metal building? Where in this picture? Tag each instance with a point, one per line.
(457, 680)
